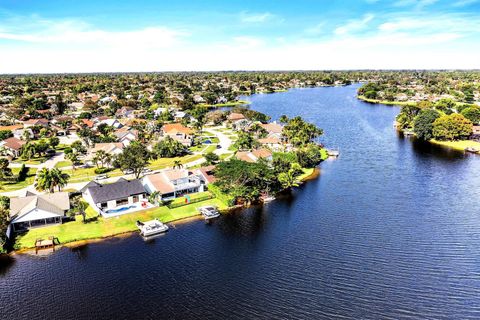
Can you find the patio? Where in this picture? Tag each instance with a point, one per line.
(126, 209)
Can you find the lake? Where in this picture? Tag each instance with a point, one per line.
(389, 230)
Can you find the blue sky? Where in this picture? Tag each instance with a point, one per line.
(89, 36)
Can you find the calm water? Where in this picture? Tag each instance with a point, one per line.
(390, 230)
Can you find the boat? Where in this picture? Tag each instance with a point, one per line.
(152, 227)
(267, 198)
(408, 133)
(209, 212)
(472, 149)
(333, 152)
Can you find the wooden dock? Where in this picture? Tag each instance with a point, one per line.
(41, 244)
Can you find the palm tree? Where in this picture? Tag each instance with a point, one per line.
(288, 179)
(43, 181)
(47, 180)
(177, 164)
(73, 157)
(59, 178)
(80, 207)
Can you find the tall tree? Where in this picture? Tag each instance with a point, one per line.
(134, 157)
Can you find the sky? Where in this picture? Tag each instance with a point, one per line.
(61, 36)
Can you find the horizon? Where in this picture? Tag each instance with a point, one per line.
(234, 71)
(53, 37)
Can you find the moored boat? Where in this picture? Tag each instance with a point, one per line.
(152, 227)
(209, 212)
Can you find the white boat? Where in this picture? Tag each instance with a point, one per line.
(472, 149)
(209, 212)
(267, 199)
(333, 152)
(152, 227)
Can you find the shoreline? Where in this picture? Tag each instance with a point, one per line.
(385, 102)
(311, 174)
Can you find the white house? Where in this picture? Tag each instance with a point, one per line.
(38, 210)
(173, 183)
(103, 197)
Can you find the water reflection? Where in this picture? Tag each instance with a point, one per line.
(6, 263)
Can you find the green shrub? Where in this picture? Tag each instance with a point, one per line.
(102, 170)
(226, 198)
(22, 174)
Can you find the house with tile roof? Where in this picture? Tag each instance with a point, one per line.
(12, 146)
(38, 210)
(173, 183)
(178, 132)
(254, 155)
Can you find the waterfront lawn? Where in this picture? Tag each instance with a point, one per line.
(458, 145)
(102, 228)
(307, 172)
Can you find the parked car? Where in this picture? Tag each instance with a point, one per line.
(101, 177)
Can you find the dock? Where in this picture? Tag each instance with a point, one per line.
(41, 244)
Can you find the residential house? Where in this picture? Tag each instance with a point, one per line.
(173, 183)
(254, 155)
(113, 195)
(112, 148)
(38, 210)
(36, 122)
(126, 136)
(125, 112)
(238, 121)
(12, 146)
(109, 122)
(272, 143)
(273, 129)
(178, 132)
(206, 174)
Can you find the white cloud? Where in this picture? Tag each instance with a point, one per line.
(402, 42)
(246, 41)
(354, 25)
(418, 4)
(78, 33)
(256, 17)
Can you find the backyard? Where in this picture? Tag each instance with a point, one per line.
(107, 227)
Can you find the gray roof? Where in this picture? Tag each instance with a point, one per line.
(117, 190)
(56, 203)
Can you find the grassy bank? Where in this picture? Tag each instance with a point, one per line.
(103, 228)
(458, 145)
(385, 102)
(226, 104)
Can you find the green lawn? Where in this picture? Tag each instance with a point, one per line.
(192, 196)
(88, 174)
(210, 148)
(6, 186)
(77, 230)
(458, 145)
(163, 163)
(36, 160)
(225, 155)
(63, 164)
